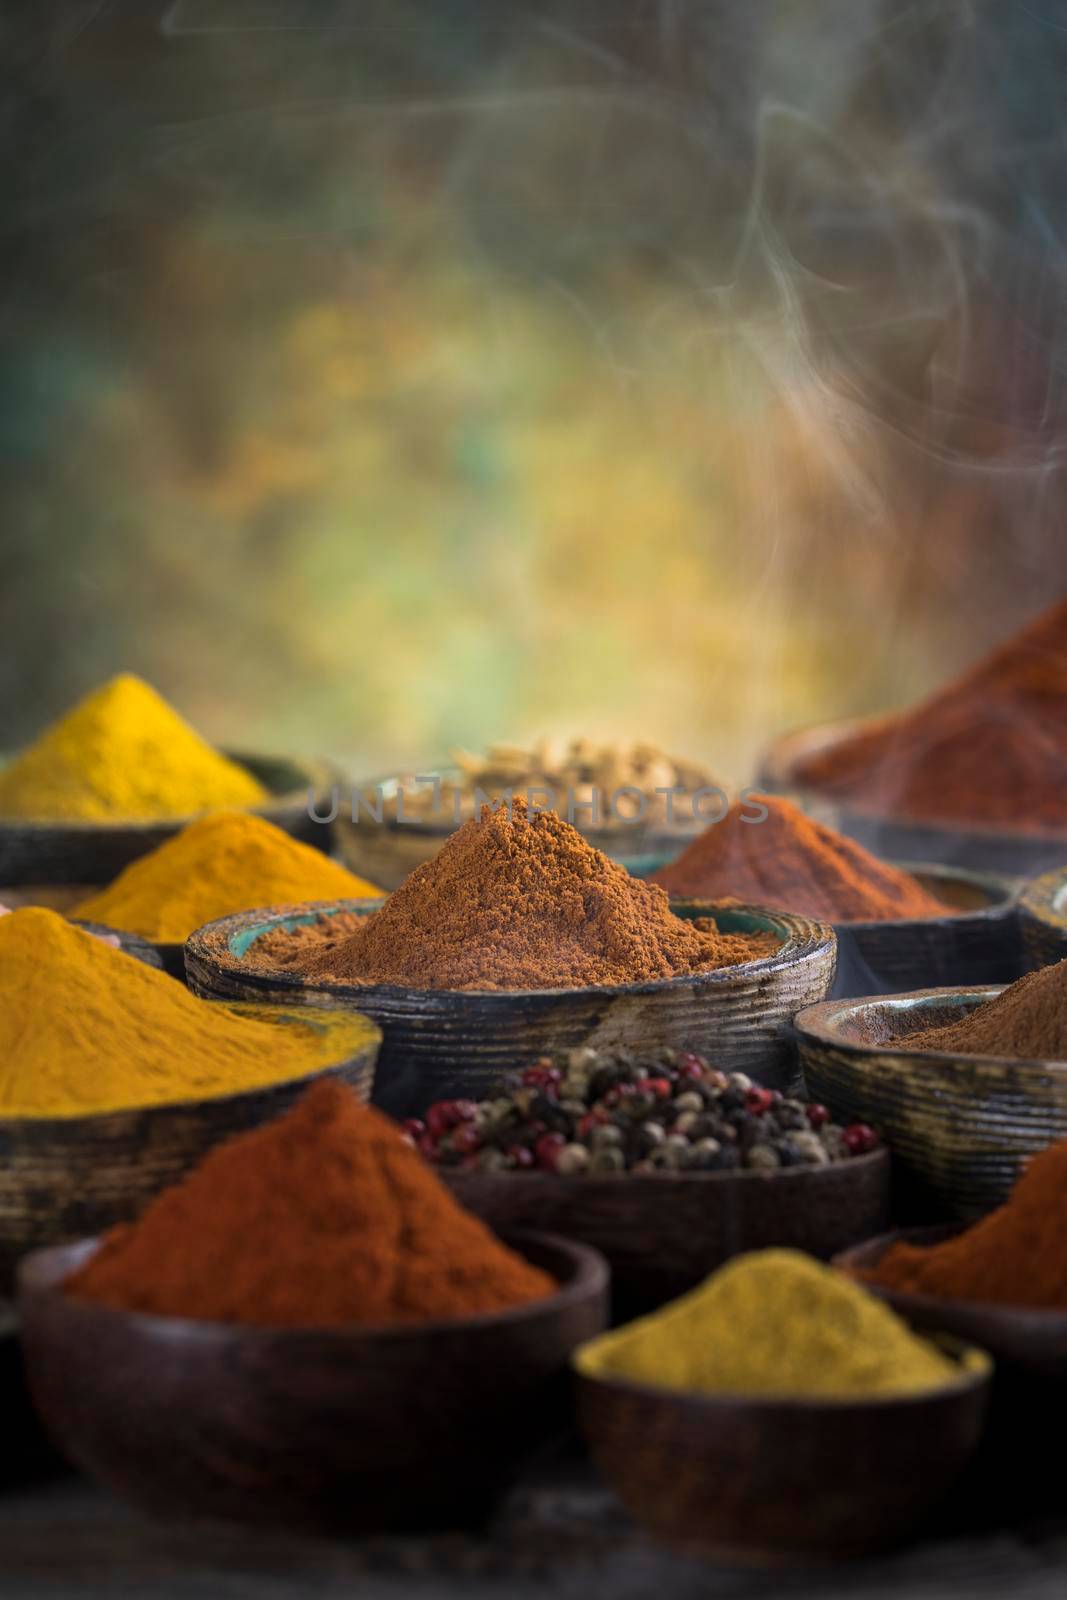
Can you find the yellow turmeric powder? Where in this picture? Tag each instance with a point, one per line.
(775, 1322)
(227, 862)
(86, 1028)
(122, 753)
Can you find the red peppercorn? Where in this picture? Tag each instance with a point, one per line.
(759, 1101)
(859, 1138)
(542, 1077)
(414, 1127)
(466, 1138)
(592, 1119)
(818, 1115)
(690, 1065)
(427, 1146)
(441, 1117)
(520, 1155)
(547, 1150)
(464, 1110)
(660, 1087)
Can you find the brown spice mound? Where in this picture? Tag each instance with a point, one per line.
(324, 1217)
(1015, 1256)
(989, 748)
(1027, 1021)
(526, 903)
(788, 860)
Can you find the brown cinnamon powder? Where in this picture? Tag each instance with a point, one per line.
(524, 902)
(1027, 1022)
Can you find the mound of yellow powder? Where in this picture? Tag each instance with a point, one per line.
(775, 1322)
(122, 753)
(86, 1028)
(224, 863)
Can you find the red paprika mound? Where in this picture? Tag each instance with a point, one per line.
(326, 1217)
(1015, 1256)
(788, 860)
(990, 748)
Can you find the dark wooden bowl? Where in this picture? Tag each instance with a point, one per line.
(1043, 918)
(976, 941)
(782, 1482)
(26, 1452)
(61, 1177)
(1010, 852)
(93, 853)
(448, 1043)
(960, 1127)
(663, 1233)
(1029, 1397)
(386, 852)
(358, 1430)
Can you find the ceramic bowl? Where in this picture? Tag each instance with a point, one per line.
(662, 1233)
(445, 1043)
(782, 1482)
(92, 853)
(960, 1127)
(1009, 852)
(1043, 918)
(359, 1430)
(61, 1177)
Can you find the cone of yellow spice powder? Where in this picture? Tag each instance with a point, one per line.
(85, 1028)
(219, 865)
(775, 1323)
(122, 754)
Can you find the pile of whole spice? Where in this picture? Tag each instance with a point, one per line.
(1014, 1256)
(122, 753)
(86, 1028)
(603, 1112)
(776, 1323)
(1027, 1021)
(524, 902)
(989, 748)
(228, 862)
(325, 1217)
(766, 851)
(579, 773)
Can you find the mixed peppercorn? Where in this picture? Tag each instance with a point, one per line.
(615, 1111)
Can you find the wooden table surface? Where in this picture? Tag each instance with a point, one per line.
(559, 1535)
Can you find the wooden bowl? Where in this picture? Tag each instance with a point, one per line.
(359, 1430)
(92, 853)
(976, 941)
(1043, 918)
(447, 1043)
(960, 1127)
(775, 1482)
(662, 1233)
(63, 1176)
(977, 847)
(130, 943)
(1029, 1396)
(26, 1452)
(386, 852)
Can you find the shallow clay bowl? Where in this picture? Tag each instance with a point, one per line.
(385, 852)
(1012, 852)
(41, 853)
(447, 1043)
(358, 1430)
(663, 1232)
(1043, 918)
(781, 1482)
(60, 1176)
(960, 1127)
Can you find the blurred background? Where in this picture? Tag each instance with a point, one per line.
(382, 375)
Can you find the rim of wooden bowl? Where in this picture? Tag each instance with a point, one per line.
(805, 938)
(1040, 895)
(317, 775)
(590, 1275)
(777, 773)
(1015, 1319)
(870, 1159)
(815, 1022)
(961, 1350)
(390, 783)
(254, 1010)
